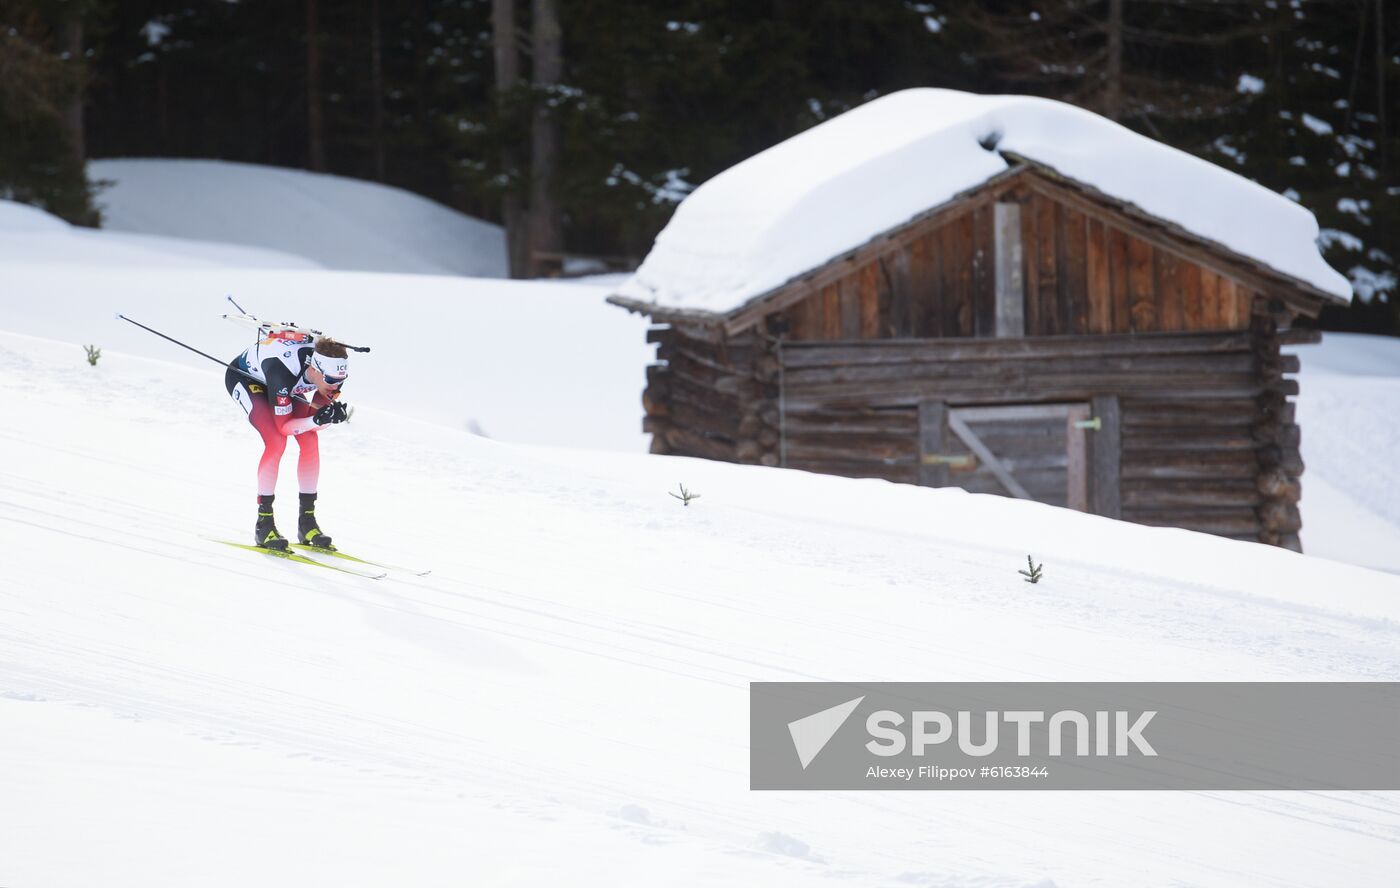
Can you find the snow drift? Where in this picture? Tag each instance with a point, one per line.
(335, 222)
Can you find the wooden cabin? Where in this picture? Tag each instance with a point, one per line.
(1033, 337)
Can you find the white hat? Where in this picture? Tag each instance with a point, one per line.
(333, 369)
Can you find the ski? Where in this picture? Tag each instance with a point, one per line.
(336, 553)
(288, 555)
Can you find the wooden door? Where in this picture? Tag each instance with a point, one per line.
(1041, 452)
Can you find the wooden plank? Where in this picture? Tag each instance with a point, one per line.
(1158, 495)
(935, 293)
(884, 296)
(1119, 272)
(1170, 311)
(868, 300)
(1074, 287)
(1237, 521)
(1097, 283)
(850, 447)
(906, 473)
(1030, 248)
(806, 318)
(1226, 464)
(831, 312)
(1047, 253)
(901, 294)
(1197, 313)
(920, 286)
(1010, 299)
(817, 354)
(1077, 469)
(961, 277)
(948, 280)
(1215, 314)
(1142, 289)
(1019, 412)
(986, 456)
(933, 440)
(1105, 454)
(1091, 368)
(849, 289)
(984, 271)
(1239, 302)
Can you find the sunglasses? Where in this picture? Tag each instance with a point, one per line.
(333, 381)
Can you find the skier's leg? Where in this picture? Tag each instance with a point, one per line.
(274, 445)
(308, 473)
(308, 462)
(250, 397)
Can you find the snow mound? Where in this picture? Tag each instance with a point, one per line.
(1348, 390)
(336, 222)
(34, 237)
(804, 201)
(16, 217)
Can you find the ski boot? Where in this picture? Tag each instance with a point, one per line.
(307, 531)
(265, 533)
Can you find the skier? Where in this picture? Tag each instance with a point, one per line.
(282, 365)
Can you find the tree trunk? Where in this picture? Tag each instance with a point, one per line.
(513, 213)
(1113, 86)
(315, 127)
(376, 88)
(72, 37)
(546, 224)
(1380, 88)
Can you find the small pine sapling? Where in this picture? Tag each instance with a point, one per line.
(1033, 575)
(93, 353)
(685, 496)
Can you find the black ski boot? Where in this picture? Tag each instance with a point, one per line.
(265, 532)
(307, 531)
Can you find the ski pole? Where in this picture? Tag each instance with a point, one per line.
(179, 343)
(224, 364)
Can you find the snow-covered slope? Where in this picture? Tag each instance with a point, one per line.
(564, 699)
(1349, 411)
(32, 236)
(336, 222)
(528, 361)
(838, 185)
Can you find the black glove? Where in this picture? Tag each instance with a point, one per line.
(331, 413)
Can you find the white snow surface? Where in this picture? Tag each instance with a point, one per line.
(1349, 412)
(331, 221)
(832, 188)
(29, 236)
(538, 362)
(564, 699)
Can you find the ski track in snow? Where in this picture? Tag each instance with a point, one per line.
(576, 666)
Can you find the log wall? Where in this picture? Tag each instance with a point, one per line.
(713, 396)
(1208, 440)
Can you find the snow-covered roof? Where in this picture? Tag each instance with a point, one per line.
(823, 192)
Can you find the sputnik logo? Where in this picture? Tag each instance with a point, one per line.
(811, 734)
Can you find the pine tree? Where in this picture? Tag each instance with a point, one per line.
(43, 78)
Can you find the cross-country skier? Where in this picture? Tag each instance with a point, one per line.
(281, 366)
